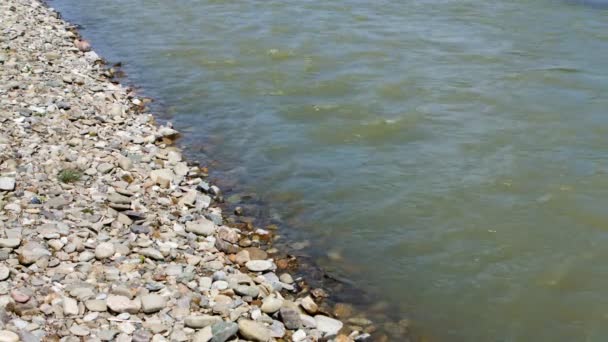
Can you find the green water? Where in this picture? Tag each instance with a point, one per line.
(453, 153)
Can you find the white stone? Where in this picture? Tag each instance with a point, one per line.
(70, 306)
(328, 325)
(7, 183)
(259, 265)
(104, 250)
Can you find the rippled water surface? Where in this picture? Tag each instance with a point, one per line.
(454, 153)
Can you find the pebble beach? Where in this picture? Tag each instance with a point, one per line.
(106, 232)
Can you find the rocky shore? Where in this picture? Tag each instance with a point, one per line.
(106, 233)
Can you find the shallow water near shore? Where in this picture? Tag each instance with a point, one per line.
(450, 156)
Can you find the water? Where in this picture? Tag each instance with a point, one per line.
(453, 153)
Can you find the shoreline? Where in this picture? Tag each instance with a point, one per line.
(107, 233)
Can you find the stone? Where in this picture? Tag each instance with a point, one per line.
(286, 278)
(222, 331)
(70, 306)
(201, 227)
(277, 329)
(309, 305)
(152, 253)
(32, 252)
(152, 303)
(290, 317)
(327, 325)
(228, 234)
(7, 183)
(118, 198)
(256, 253)
(253, 331)
(259, 265)
(271, 305)
(79, 330)
(203, 335)
(188, 199)
(8, 336)
(96, 305)
(10, 243)
(343, 310)
(162, 177)
(198, 322)
(5, 272)
(244, 290)
(120, 304)
(105, 168)
(86, 256)
(299, 335)
(141, 335)
(104, 250)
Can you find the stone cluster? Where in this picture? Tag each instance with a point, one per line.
(106, 232)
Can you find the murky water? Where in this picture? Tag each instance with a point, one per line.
(453, 153)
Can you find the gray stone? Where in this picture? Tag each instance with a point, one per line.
(222, 331)
(10, 243)
(152, 253)
(104, 250)
(201, 227)
(32, 252)
(277, 329)
(290, 317)
(118, 198)
(254, 331)
(152, 303)
(105, 168)
(198, 322)
(5, 272)
(79, 330)
(121, 304)
(96, 305)
(244, 290)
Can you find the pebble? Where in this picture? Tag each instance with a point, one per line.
(328, 325)
(271, 305)
(201, 227)
(32, 252)
(5, 272)
(152, 303)
(309, 305)
(97, 305)
(104, 250)
(254, 331)
(290, 317)
(70, 306)
(121, 304)
(203, 335)
(222, 331)
(10, 243)
(198, 322)
(7, 183)
(8, 336)
(259, 265)
(152, 253)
